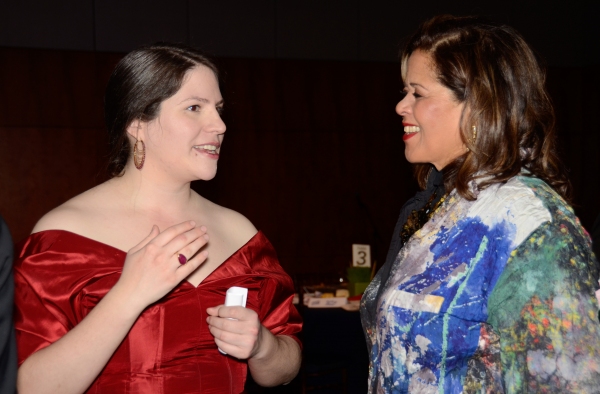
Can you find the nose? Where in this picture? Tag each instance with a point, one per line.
(216, 124)
(403, 106)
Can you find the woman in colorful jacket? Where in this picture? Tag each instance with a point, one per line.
(489, 283)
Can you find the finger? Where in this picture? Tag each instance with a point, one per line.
(213, 311)
(225, 324)
(184, 270)
(189, 251)
(153, 234)
(237, 313)
(229, 337)
(223, 345)
(220, 323)
(173, 232)
(228, 348)
(235, 345)
(187, 240)
(235, 326)
(169, 243)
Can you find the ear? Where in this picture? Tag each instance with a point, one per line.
(136, 129)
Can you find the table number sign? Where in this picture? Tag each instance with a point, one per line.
(361, 255)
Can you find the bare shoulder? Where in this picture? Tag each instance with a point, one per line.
(233, 227)
(60, 218)
(71, 215)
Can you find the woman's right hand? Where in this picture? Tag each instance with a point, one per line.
(151, 270)
(152, 267)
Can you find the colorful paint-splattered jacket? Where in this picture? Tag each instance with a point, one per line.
(494, 295)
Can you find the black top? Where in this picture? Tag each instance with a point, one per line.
(435, 184)
(8, 348)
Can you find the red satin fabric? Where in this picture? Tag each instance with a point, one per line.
(60, 276)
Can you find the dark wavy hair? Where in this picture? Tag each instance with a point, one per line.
(491, 69)
(141, 81)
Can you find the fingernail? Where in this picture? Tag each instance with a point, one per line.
(192, 223)
(203, 228)
(206, 237)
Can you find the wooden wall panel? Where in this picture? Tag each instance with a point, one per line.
(313, 153)
(43, 167)
(45, 88)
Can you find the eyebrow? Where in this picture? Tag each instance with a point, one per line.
(418, 84)
(202, 100)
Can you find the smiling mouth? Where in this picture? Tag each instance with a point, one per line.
(212, 149)
(411, 129)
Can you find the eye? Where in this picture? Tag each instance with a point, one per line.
(194, 108)
(403, 94)
(220, 110)
(417, 95)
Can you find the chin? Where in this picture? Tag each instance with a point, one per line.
(206, 176)
(411, 158)
(414, 160)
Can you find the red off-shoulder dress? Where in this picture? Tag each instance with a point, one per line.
(60, 276)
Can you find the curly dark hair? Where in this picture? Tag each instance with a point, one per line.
(491, 69)
(141, 81)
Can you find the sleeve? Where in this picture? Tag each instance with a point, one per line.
(39, 316)
(596, 238)
(8, 351)
(545, 312)
(277, 311)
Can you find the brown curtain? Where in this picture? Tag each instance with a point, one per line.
(313, 154)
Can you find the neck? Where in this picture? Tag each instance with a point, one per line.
(146, 191)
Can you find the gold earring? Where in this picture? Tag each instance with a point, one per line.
(474, 134)
(139, 154)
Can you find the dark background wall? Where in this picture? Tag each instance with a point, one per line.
(566, 33)
(313, 154)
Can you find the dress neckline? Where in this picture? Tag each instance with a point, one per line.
(252, 239)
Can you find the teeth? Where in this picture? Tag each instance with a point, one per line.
(211, 148)
(411, 129)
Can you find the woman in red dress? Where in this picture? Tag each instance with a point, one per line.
(120, 289)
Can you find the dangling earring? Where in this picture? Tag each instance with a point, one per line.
(474, 137)
(139, 153)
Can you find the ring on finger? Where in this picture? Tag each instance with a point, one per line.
(182, 259)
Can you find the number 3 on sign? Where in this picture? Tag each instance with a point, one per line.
(361, 255)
